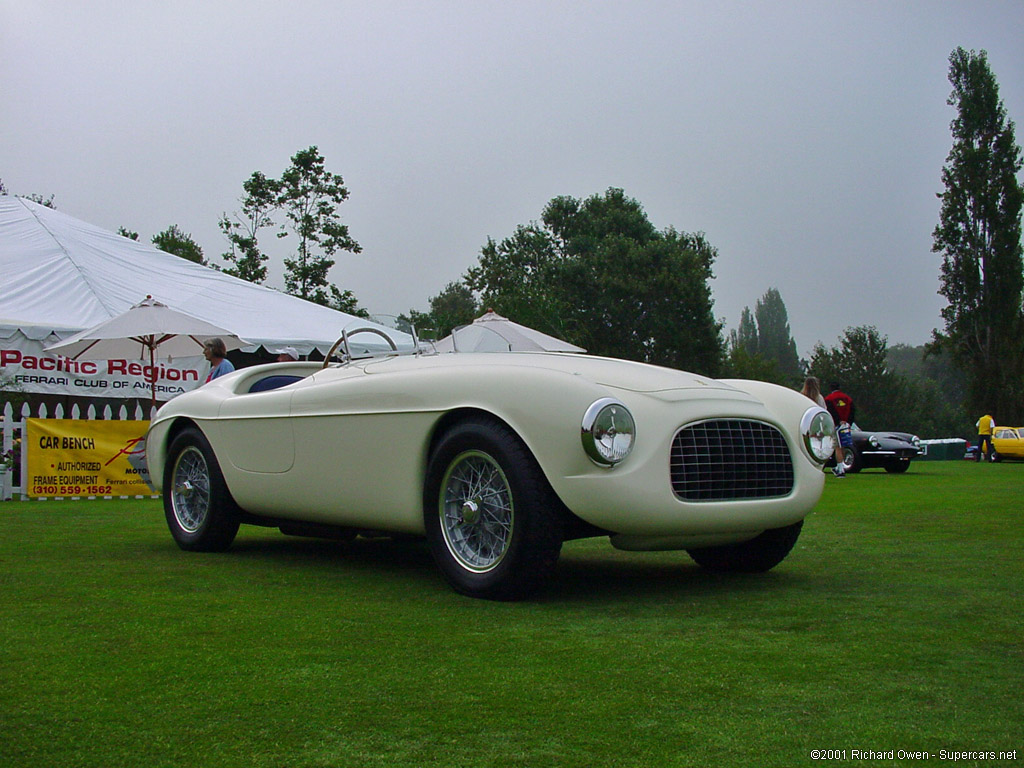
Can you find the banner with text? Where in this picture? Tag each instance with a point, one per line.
(75, 457)
(27, 364)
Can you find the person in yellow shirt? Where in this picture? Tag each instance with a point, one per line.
(985, 426)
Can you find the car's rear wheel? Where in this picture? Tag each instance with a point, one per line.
(494, 524)
(200, 512)
(760, 554)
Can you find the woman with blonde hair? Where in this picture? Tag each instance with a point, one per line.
(812, 390)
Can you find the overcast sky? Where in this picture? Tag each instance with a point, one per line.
(806, 139)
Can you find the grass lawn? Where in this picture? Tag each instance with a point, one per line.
(895, 624)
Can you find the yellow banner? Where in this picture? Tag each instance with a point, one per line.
(74, 457)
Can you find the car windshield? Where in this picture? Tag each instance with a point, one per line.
(378, 336)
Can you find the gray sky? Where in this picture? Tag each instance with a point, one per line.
(805, 138)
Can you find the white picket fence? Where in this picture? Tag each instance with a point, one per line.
(15, 430)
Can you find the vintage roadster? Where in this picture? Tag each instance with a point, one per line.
(497, 458)
(891, 451)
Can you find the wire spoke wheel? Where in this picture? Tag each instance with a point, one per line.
(200, 512)
(477, 511)
(493, 522)
(190, 491)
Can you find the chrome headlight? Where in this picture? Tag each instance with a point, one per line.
(819, 434)
(608, 431)
(874, 442)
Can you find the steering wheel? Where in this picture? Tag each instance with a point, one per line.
(343, 340)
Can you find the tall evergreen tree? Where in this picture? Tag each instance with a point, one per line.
(774, 339)
(762, 347)
(979, 237)
(746, 334)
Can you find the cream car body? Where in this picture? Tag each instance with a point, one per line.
(351, 445)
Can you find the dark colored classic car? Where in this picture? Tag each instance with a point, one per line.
(891, 451)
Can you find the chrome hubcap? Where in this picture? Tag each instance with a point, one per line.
(190, 495)
(476, 511)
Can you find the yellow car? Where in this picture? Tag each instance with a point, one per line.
(1007, 443)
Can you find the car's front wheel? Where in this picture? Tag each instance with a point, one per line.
(762, 553)
(897, 466)
(494, 524)
(199, 509)
(852, 461)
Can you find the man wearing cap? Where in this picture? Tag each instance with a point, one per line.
(287, 355)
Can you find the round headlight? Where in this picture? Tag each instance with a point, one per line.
(608, 431)
(819, 434)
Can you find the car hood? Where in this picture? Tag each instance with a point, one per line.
(610, 372)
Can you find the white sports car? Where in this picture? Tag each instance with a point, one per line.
(497, 458)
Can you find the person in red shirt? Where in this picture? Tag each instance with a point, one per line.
(840, 405)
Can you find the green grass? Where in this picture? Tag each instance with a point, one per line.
(896, 623)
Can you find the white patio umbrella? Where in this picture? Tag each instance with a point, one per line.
(479, 335)
(139, 331)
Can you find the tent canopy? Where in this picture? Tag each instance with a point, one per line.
(63, 275)
(491, 333)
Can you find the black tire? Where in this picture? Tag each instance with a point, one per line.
(199, 509)
(852, 461)
(493, 523)
(995, 458)
(897, 467)
(760, 554)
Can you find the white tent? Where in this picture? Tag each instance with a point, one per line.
(493, 333)
(61, 275)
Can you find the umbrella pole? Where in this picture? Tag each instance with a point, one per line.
(152, 383)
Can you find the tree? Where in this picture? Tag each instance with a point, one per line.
(979, 237)
(37, 198)
(343, 301)
(597, 273)
(174, 240)
(34, 197)
(745, 337)
(764, 349)
(129, 233)
(774, 340)
(935, 389)
(242, 228)
(309, 196)
(860, 366)
(741, 364)
(455, 305)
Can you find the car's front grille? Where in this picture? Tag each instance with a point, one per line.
(730, 459)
